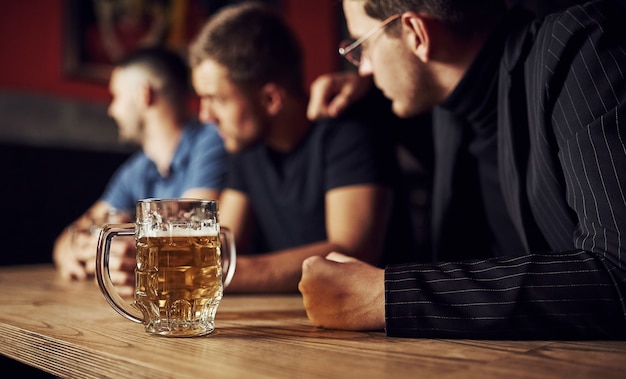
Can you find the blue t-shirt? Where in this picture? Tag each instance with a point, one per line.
(200, 161)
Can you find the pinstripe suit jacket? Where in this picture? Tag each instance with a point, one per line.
(561, 125)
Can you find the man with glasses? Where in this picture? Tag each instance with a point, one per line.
(529, 204)
(295, 188)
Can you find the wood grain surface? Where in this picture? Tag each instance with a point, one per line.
(67, 329)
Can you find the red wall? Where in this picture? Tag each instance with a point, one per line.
(31, 38)
(317, 24)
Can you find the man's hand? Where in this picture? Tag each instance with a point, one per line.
(332, 93)
(75, 258)
(341, 292)
(75, 252)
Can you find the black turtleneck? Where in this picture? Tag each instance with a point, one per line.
(471, 109)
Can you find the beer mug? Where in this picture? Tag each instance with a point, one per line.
(179, 279)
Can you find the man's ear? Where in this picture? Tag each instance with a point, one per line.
(146, 95)
(151, 97)
(272, 98)
(416, 30)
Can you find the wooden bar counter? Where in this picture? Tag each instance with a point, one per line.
(68, 329)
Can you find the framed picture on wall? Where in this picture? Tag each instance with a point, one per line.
(100, 32)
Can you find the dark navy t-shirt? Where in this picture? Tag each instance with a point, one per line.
(287, 191)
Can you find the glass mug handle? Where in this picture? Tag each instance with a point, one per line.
(228, 264)
(103, 276)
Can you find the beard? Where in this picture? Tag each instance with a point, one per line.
(131, 134)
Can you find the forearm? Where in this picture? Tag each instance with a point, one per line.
(539, 296)
(277, 272)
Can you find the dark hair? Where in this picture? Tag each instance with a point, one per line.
(167, 65)
(463, 17)
(254, 43)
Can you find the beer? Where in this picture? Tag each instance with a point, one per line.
(178, 281)
(178, 277)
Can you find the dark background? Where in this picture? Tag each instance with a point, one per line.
(43, 190)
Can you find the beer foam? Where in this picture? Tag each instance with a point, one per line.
(181, 232)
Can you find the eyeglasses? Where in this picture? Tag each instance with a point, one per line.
(353, 50)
